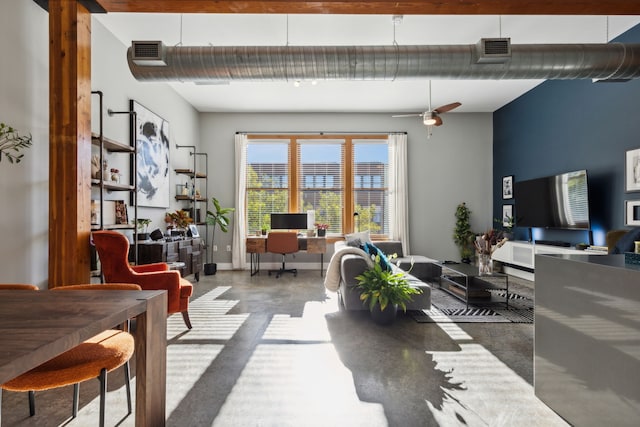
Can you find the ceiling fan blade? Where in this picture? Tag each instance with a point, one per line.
(447, 107)
(438, 121)
(409, 115)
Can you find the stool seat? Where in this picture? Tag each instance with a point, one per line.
(107, 350)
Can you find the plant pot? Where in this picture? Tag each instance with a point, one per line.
(322, 232)
(143, 236)
(384, 317)
(210, 268)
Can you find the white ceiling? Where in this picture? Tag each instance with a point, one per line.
(357, 96)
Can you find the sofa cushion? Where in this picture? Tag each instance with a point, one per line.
(373, 250)
(358, 239)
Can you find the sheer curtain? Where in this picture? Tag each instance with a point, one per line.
(398, 191)
(239, 253)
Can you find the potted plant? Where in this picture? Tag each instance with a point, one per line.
(141, 225)
(322, 228)
(385, 291)
(264, 230)
(217, 218)
(179, 220)
(11, 141)
(462, 234)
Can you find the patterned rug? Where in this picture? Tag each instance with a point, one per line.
(446, 308)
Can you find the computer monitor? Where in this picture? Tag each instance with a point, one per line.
(288, 221)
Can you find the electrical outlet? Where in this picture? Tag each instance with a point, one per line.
(215, 248)
(228, 248)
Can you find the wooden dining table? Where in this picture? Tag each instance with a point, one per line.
(37, 326)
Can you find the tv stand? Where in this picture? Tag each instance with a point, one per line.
(518, 257)
(553, 243)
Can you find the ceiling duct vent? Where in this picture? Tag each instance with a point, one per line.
(148, 53)
(493, 51)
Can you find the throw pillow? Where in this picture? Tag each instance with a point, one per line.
(372, 249)
(358, 239)
(625, 244)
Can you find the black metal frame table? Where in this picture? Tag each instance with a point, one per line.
(468, 277)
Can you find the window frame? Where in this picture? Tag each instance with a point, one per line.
(348, 181)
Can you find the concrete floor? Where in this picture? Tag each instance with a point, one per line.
(279, 352)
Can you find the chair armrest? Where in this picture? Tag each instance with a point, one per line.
(147, 268)
(160, 280)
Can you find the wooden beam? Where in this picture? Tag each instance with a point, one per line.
(69, 142)
(382, 7)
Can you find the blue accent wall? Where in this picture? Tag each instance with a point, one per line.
(561, 126)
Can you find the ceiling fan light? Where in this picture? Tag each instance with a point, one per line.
(429, 119)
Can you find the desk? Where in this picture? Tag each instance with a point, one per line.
(37, 326)
(257, 245)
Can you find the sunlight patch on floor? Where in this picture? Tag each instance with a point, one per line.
(488, 392)
(297, 385)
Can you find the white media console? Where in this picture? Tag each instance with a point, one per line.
(518, 257)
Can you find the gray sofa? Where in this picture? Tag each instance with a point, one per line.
(422, 275)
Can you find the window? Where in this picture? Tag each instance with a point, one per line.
(335, 176)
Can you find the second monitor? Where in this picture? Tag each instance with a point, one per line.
(288, 221)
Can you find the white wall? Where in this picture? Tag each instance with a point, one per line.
(453, 166)
(110, 74)
(24, 104)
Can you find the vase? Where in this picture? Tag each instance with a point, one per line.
(485, 265)
(384, 317)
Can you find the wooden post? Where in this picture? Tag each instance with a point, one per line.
(69, 142)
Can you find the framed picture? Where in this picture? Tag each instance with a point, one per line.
(632, 212)
(193, 230)
(632, 170)
(507, 187)
(152, 138)
(507, 215)
(121, 212)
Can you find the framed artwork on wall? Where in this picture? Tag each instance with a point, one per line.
(507, 187)
(507, 215)
(632, 212)
(632, 170)
(152, 162)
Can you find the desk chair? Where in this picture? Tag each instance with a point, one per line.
(94, 358)
(283, 242)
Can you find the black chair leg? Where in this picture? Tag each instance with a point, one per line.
(103, 394)
(76, 399)
(127, 381)
(32, 403)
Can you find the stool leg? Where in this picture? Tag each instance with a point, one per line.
(127, 379)
(32, 403)
(76, 399)
(103, 394)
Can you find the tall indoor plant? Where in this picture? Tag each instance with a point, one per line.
(462, 234)
(385, 290)
(218, 218)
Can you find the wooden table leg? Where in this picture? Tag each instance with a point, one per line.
(151, 363)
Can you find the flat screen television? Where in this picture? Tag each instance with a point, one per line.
(558, 201)
(288, 221)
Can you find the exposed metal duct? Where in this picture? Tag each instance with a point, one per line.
(613, 61)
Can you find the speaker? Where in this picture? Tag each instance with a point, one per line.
(156, 234)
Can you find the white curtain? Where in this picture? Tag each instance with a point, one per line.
(398, 191)
(239, 254)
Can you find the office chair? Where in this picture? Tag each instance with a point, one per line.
(283, 242)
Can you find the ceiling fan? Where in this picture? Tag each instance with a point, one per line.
(431, 117)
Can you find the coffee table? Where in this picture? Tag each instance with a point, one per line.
(463, 279)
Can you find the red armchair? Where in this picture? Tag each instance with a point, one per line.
(113, 250)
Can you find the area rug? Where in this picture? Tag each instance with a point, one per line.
(446, 308)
